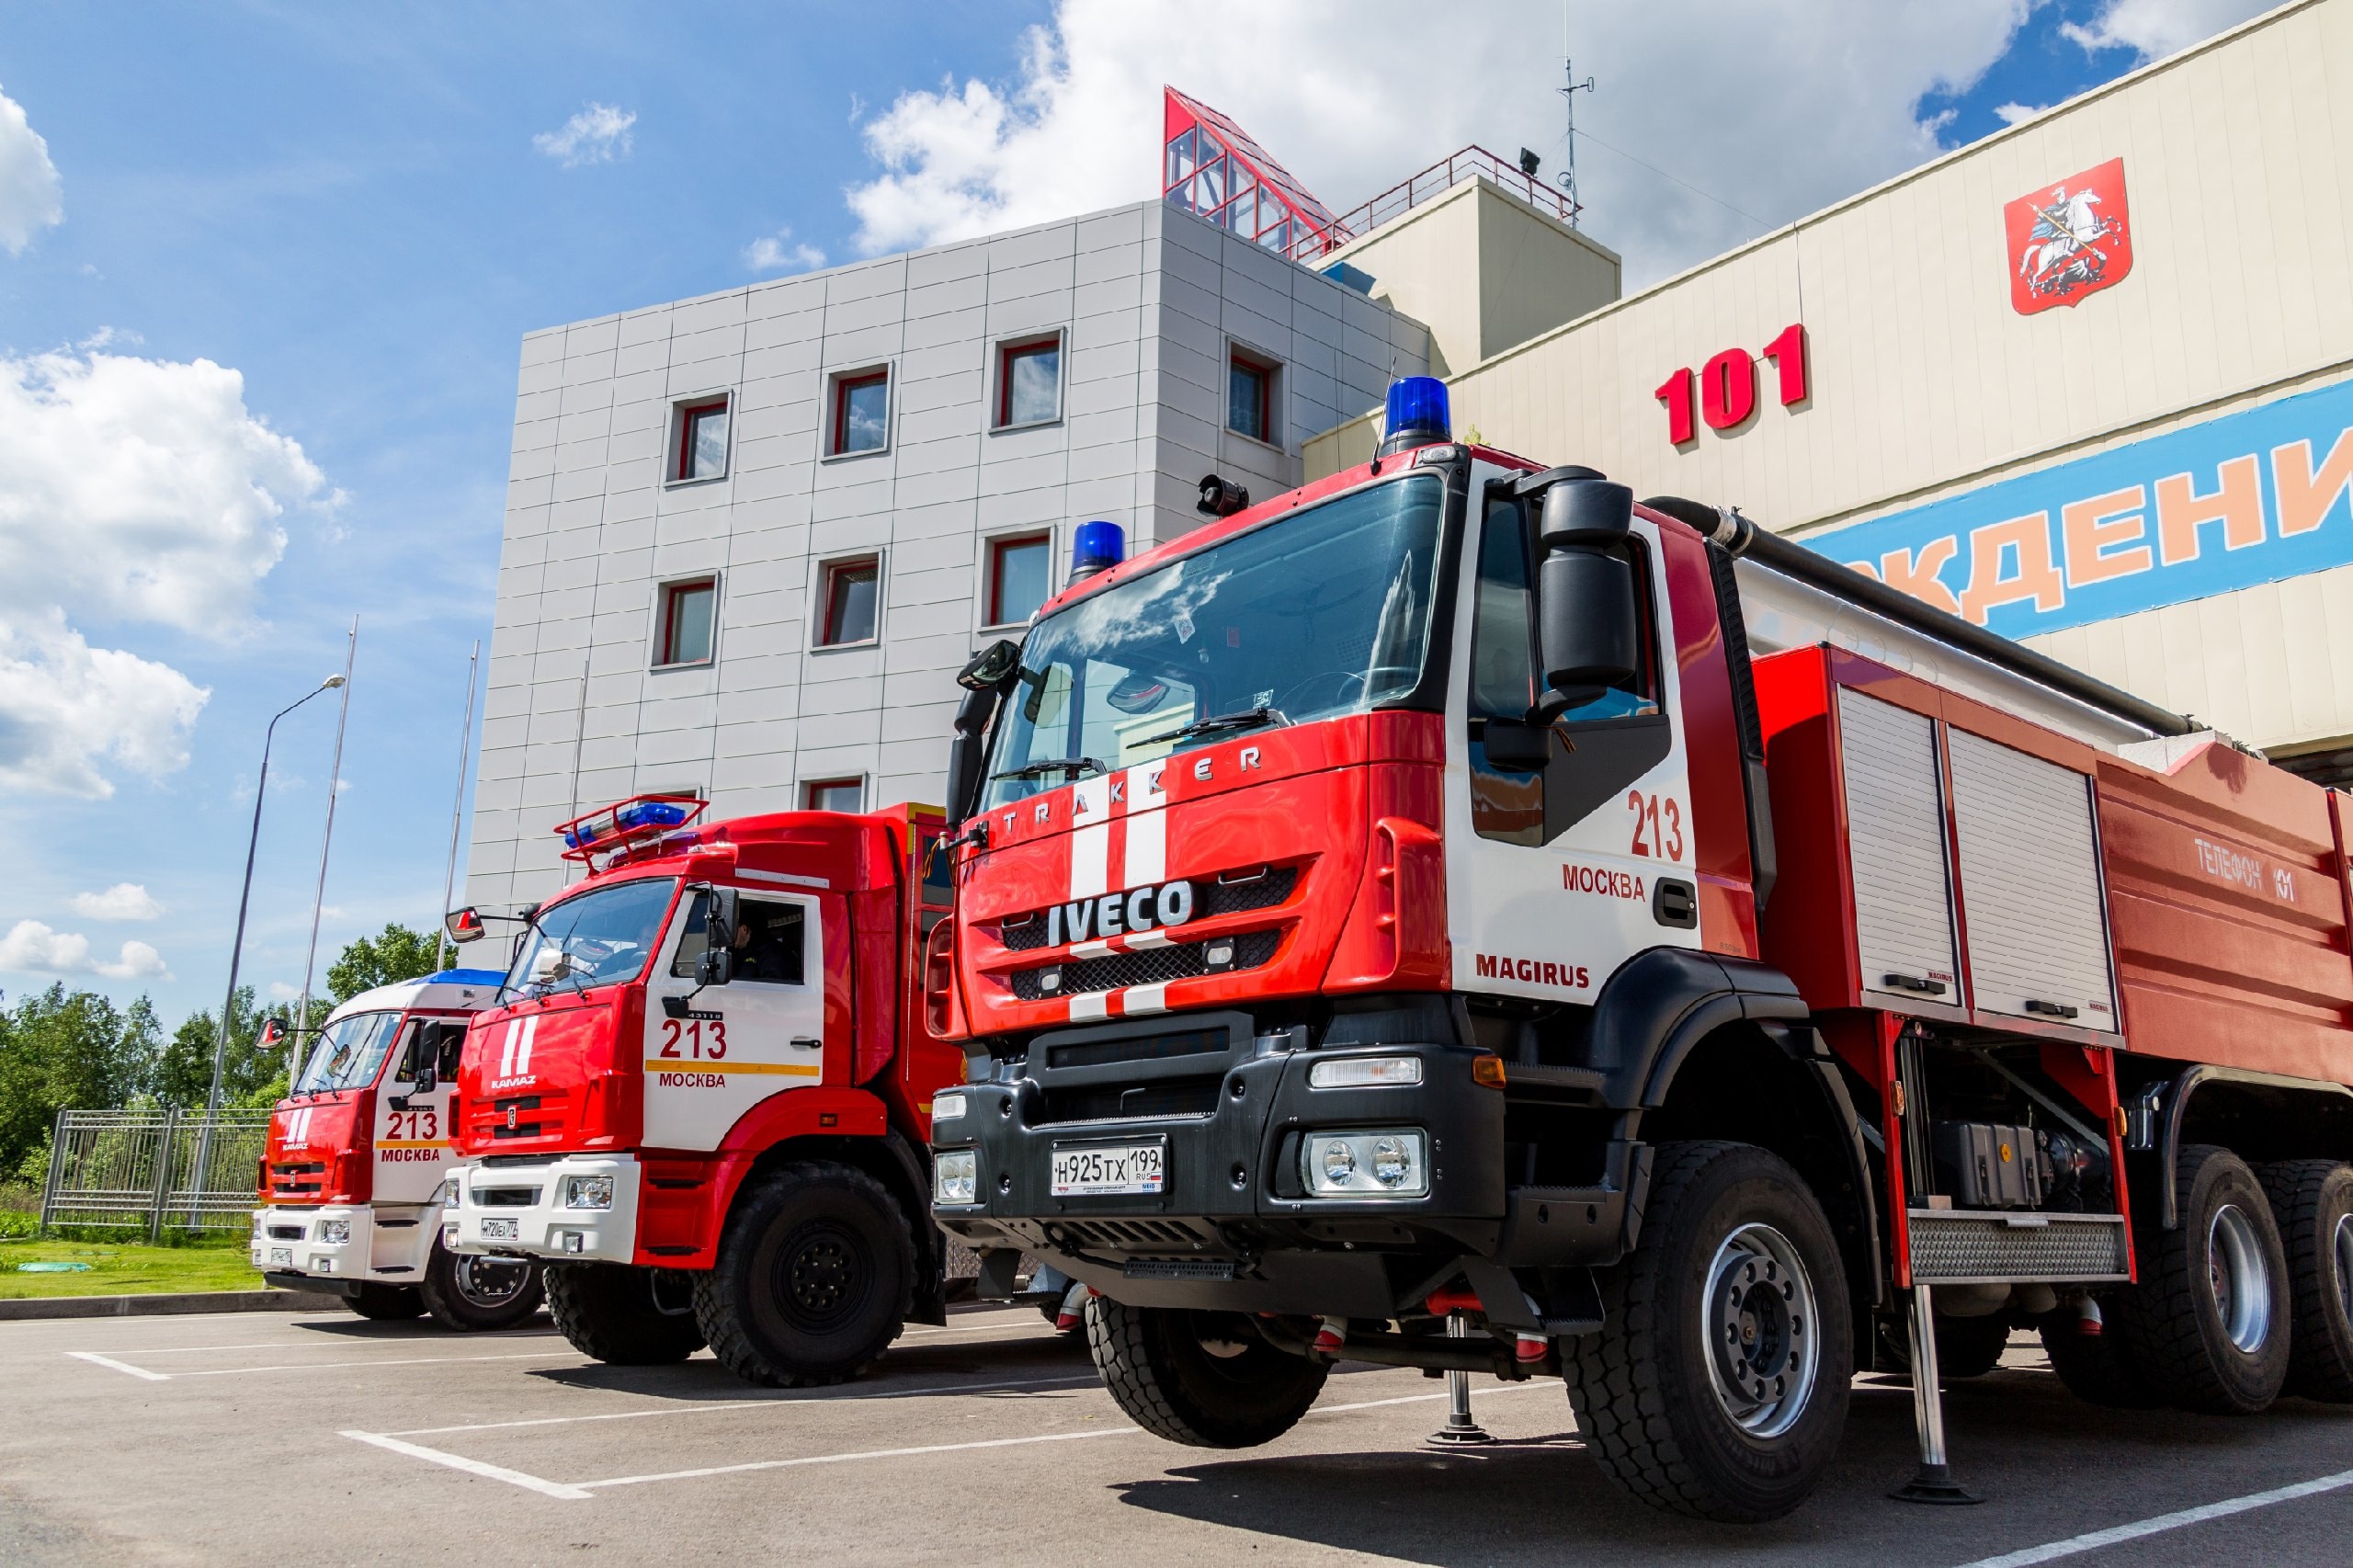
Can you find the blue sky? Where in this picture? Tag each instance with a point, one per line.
(345, 205)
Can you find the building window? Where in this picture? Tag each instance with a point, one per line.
(1250, 397)
(861, 412)
(850, 594)
(833, 795)
(687, 614)
(1020, 577)
(1029, 382)
(700, 452)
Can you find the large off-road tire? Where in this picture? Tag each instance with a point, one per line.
(1719, 1388)
(1202, 1379)
(2313, 1202)
(622, 1316)
(2208, 1323)
(387, 1303)
(1970, 1348)
(815, 1277)
(2093, 1361)
(475, 1294)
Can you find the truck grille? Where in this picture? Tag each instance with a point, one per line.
(1262, 891)
(1951, 1246)
(1134, 1235)
(302, 1180)
(1111, 1102)
(1153, 966)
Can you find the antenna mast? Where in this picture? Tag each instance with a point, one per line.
(1568, 178)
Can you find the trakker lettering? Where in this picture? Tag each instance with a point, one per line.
(1119, 913)
(1533, 971)
(1602, 881)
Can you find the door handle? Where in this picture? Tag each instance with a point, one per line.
(812, 1044)
(1674, 902)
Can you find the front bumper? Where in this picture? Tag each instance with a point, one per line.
(523, 1203)
(387, 1245)
(1234, 1229)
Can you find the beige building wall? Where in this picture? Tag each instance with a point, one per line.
(1925, 381)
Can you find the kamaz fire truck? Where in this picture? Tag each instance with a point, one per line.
(352, 1176)
(1453, 896)
(703, 1093)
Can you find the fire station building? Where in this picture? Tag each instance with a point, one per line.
(2087, 381)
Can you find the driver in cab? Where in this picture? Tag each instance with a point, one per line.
(761, 954)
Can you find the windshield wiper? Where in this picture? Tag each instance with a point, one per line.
(1074, 765)
(1246, 719)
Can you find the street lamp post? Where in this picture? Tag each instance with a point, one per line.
(236, 951)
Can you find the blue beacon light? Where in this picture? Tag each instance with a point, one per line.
(1097, 547)
(1418, 414)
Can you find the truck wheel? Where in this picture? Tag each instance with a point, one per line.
(816, 1278)
(387, 1303)
(2208, 1322)
(1202, 1379)
(1719, 1390)
(1970, 1348)
(2093, 1361)
(2313, 1202)
(622, 1315)
(472, 1294)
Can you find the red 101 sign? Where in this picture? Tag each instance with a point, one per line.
(1725, 390)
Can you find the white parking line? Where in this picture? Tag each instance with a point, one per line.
(787, 1402)
(473, 1466)
(2076, 1545)
(305, 1366)
(121, 1366)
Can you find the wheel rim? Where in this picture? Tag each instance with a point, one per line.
(1761, 1327)
(2343, 1248)
(823, 1277)
(2240, 1282)
(490, 1282)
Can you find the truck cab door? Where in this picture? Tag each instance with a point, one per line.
(413, 1143)
(710, 1056)
(1568, 844)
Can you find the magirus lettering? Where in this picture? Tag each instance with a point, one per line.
(1534, 972)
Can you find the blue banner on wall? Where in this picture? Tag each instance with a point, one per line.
(2251, 497)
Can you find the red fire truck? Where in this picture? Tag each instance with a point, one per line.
(703, 1095)
(1453, 896)
(351, 1176)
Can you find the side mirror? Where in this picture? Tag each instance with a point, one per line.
(721, 913)
(549, 965)
(1588, 622)
(1519, 748)
(968, 753)
(989, 669)
(463, 924)
(716, 967)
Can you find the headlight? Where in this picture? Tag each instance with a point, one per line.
(1365, 1072)
(1392, 1164)
(947, 1106)
(956, 1178)
(256, 1230)
(334, 1232)
(588, 1192)
(445, 1196)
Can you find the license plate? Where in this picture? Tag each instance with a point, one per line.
(281, 1257)
(1105, 1168)
(498, 1230)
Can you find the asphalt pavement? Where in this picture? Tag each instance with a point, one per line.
(324, 1438)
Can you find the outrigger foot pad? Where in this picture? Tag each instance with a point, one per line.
(1936, 1486)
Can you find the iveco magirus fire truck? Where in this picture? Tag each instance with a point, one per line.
(703, 1095)
(1453, 896)
(352, 1176)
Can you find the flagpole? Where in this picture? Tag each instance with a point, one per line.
(318, 898)
(457, 808)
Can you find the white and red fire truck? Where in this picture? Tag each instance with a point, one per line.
(352, 1174)
(703, 1095)
(1451, 895)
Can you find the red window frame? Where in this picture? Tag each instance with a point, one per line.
(814, 788)
(1265, 371)
(830, 607)
(843, 387)
(665, 642)
(997, 546)
(1006, 355)
(682, 460)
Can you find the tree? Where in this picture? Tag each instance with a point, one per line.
(61, 1050)
(183, 1075)
(395, 953)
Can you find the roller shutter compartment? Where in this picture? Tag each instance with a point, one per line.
(1895, 844)
(2030, 886)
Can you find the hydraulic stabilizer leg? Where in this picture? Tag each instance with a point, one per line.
(1933, 1484)
(1460, 1430)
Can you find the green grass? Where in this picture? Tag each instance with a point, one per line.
(122, 1268)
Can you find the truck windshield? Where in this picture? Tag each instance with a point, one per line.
(349, 1051)
(1322, 612)
(593, 938)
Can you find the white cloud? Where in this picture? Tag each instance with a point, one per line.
(31, 195)
(67, 710)
(1825, 95)
(32, 947)
(777, 253)
(598, 134)
(2154, 28)
(2012, 114)
(281, 992)
(124, 901)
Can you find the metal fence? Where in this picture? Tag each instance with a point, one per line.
(184, 1170)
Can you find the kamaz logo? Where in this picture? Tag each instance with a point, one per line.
(1119, 913)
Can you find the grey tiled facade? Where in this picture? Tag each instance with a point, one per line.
(1148, 302)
